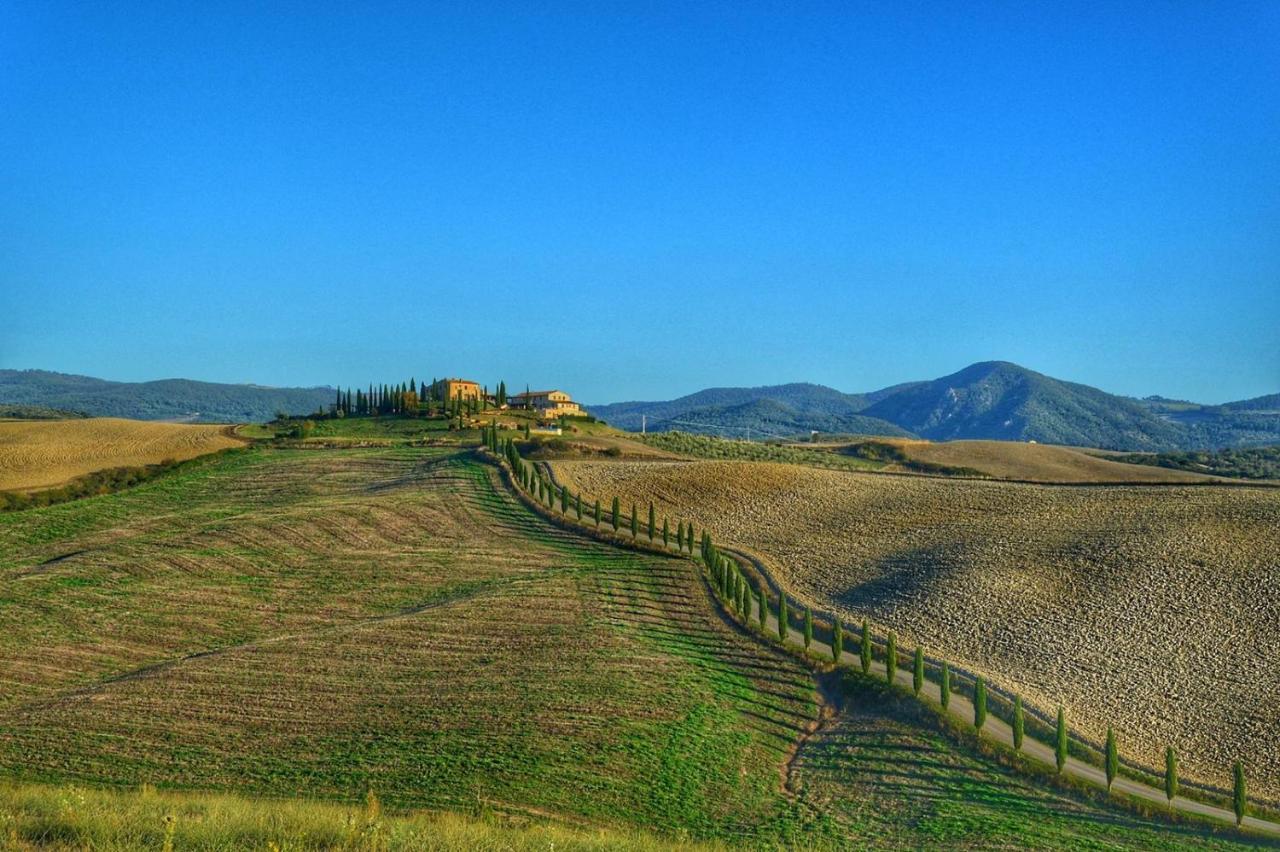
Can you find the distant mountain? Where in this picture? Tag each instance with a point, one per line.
(989, 400)
(778, 410)
(1002, 401)
(168, 399)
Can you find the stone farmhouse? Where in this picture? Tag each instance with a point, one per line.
(548, 403)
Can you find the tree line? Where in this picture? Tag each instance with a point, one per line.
(750, 601)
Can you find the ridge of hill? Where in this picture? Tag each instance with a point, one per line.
(165, 399)
(989, 400)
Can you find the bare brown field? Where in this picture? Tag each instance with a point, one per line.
(46, 453)
(1154, 609)
(1036, 462)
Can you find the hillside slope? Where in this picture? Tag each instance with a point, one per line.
(1085, 596)
(167, 399)
(44, 453)
(323, 623)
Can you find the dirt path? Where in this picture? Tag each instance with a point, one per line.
(996, 729)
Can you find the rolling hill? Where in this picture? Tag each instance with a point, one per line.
(778, 409)
(167, 399)
(991, 400)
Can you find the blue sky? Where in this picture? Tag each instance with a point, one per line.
(638, 200)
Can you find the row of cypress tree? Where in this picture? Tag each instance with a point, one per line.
(739, 594)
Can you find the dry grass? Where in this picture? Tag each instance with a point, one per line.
(1034, 462)
(43, 454)
(1155, 609)
(76, 818)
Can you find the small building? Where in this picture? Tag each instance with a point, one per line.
(550, 403)
(450, 389)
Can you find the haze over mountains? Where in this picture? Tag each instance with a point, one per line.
(989, 400)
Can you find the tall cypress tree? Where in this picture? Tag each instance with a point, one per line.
(1019, 723)
(597, 513)
(763, 600)
(688, 534)
(1111, 760)
(1170, 774)
(837, 641)
(917, 671)
(864, 647)
(564, 499)
(782, 618)
(666, 533)
(944, 686)
(1239, 796)
(578, 500)
(1060, 742)
(680, 536)
(653, 521)
(808, 627)
(979, 703)
(891, 659)
(616, 514)
(634, 531)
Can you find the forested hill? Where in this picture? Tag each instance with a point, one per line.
(167, 399)
(988, 400)
(746, 412)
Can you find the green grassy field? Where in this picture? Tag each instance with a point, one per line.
(288, 622)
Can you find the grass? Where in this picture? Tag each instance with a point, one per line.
(707, 447)
(380, 619)
(43, 817)
(1094, 597)
(895, 775)
(277, 623)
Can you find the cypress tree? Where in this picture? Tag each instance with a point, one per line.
(944, 687)
(688, 534)
(1239, 796)
(1060, 745)
(564, 499)
(578, 505)
(744, 594)
(864, 647)
(1170, 774)
(763, 602)
(979, 704)
(597, 513)
(917, 671)
(1112, 758)
(653, 520)
(666, 533)
(782, 618)
(837, 641)
(634, 532)
(680, 536)
(891, 659)
(615, 514)
(1019, 723)
(808, 627)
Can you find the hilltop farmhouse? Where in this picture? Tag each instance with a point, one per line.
(548, 403)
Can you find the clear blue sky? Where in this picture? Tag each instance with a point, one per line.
(637, 200)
